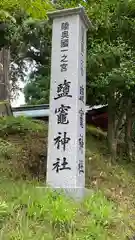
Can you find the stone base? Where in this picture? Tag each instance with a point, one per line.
(76, 194)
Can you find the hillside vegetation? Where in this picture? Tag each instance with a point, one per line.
(29, 211)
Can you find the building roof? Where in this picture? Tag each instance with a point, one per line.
(42, 110)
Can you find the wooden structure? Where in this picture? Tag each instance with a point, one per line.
(96, 115)
(5, 108)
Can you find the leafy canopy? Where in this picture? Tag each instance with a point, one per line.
(36, 9)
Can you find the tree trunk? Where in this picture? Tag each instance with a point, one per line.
(116, 122)
(128, 130)
(4, 74)
(5, 108)
(112, 141)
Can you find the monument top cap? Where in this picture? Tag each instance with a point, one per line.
(71, 11)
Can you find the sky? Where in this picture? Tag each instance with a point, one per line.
(20, 99)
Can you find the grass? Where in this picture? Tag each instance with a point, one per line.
(28, 212)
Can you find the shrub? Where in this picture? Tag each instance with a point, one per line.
(27, 158)
(25, 147)
(6, 149)
(12, 125)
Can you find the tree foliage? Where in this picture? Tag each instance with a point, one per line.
(37, 9)
(14, 14)
(110, 62)
(37, 90)
(20, 23)
(110, 56)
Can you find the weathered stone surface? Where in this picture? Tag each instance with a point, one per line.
(66, 141)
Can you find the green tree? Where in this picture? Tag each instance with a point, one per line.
(110, 62)
(37, 9)
(37, 90)
(16, 19)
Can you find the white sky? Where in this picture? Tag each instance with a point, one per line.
(20, 100)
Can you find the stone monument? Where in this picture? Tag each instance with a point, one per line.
(66, 138)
